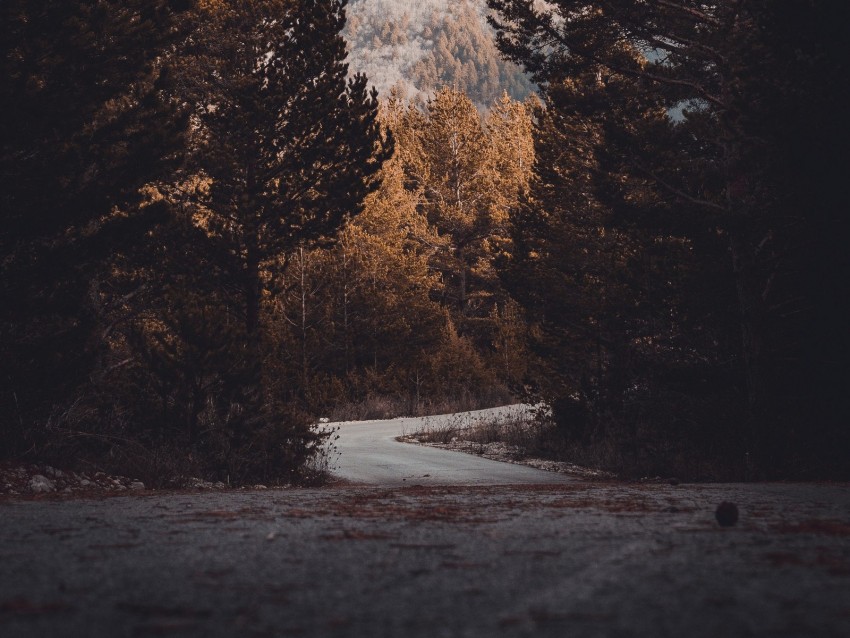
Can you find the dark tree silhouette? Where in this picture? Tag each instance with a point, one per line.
(86, 122)
(290, 146)
(723, 165)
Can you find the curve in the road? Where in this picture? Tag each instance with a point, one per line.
(371, 455)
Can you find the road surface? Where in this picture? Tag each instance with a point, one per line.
(371, 455)
(396, 560)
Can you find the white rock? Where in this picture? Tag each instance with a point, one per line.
(199, 484)
(260, 487)
(137, 485)
(85, 483)
(41, 484)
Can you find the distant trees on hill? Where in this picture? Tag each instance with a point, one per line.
(431, 45)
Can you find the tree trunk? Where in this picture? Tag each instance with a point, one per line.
(252, 261)
(345, 327)
(751, 318)
(461, 258)
(252, 284)
(304, 364)
(194, 411)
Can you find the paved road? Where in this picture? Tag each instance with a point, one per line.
(578, 560)
(396, 560)
(371, 455)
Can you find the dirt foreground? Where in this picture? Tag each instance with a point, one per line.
(577, 559)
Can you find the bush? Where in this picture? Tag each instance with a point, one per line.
(239, 443)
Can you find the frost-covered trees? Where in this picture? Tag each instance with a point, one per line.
(428, 45)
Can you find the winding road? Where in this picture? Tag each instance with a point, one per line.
(371, 455)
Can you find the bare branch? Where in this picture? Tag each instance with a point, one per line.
(704, 203)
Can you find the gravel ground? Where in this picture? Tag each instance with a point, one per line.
(574, 559)
(17, 479)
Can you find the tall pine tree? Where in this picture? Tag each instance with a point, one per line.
(721, 165)
(290, 146)
(86, 122)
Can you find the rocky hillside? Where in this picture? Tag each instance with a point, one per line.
(418, 47)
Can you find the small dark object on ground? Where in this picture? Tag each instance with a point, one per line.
(726, 514)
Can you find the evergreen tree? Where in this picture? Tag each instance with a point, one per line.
(390, 312)
(470, 172)
(368, 321)
(290, 146)
(602, 279)
(509, 127)
(87, 122)
(718, 166)
(283, 152)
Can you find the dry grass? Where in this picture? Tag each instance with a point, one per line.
(536, 436)
(530, 435)
(390, 406)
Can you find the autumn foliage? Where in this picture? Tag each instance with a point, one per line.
(214, 234)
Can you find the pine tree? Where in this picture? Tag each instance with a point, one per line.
(470, 172)
(283, 151)
(368, 321)
(290, 146)
(719, 164)
(87, 122)
(509, 127)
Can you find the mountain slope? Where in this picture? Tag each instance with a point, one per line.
(420, 47)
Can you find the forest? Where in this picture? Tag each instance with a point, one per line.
(416, 48)
(215, 233)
